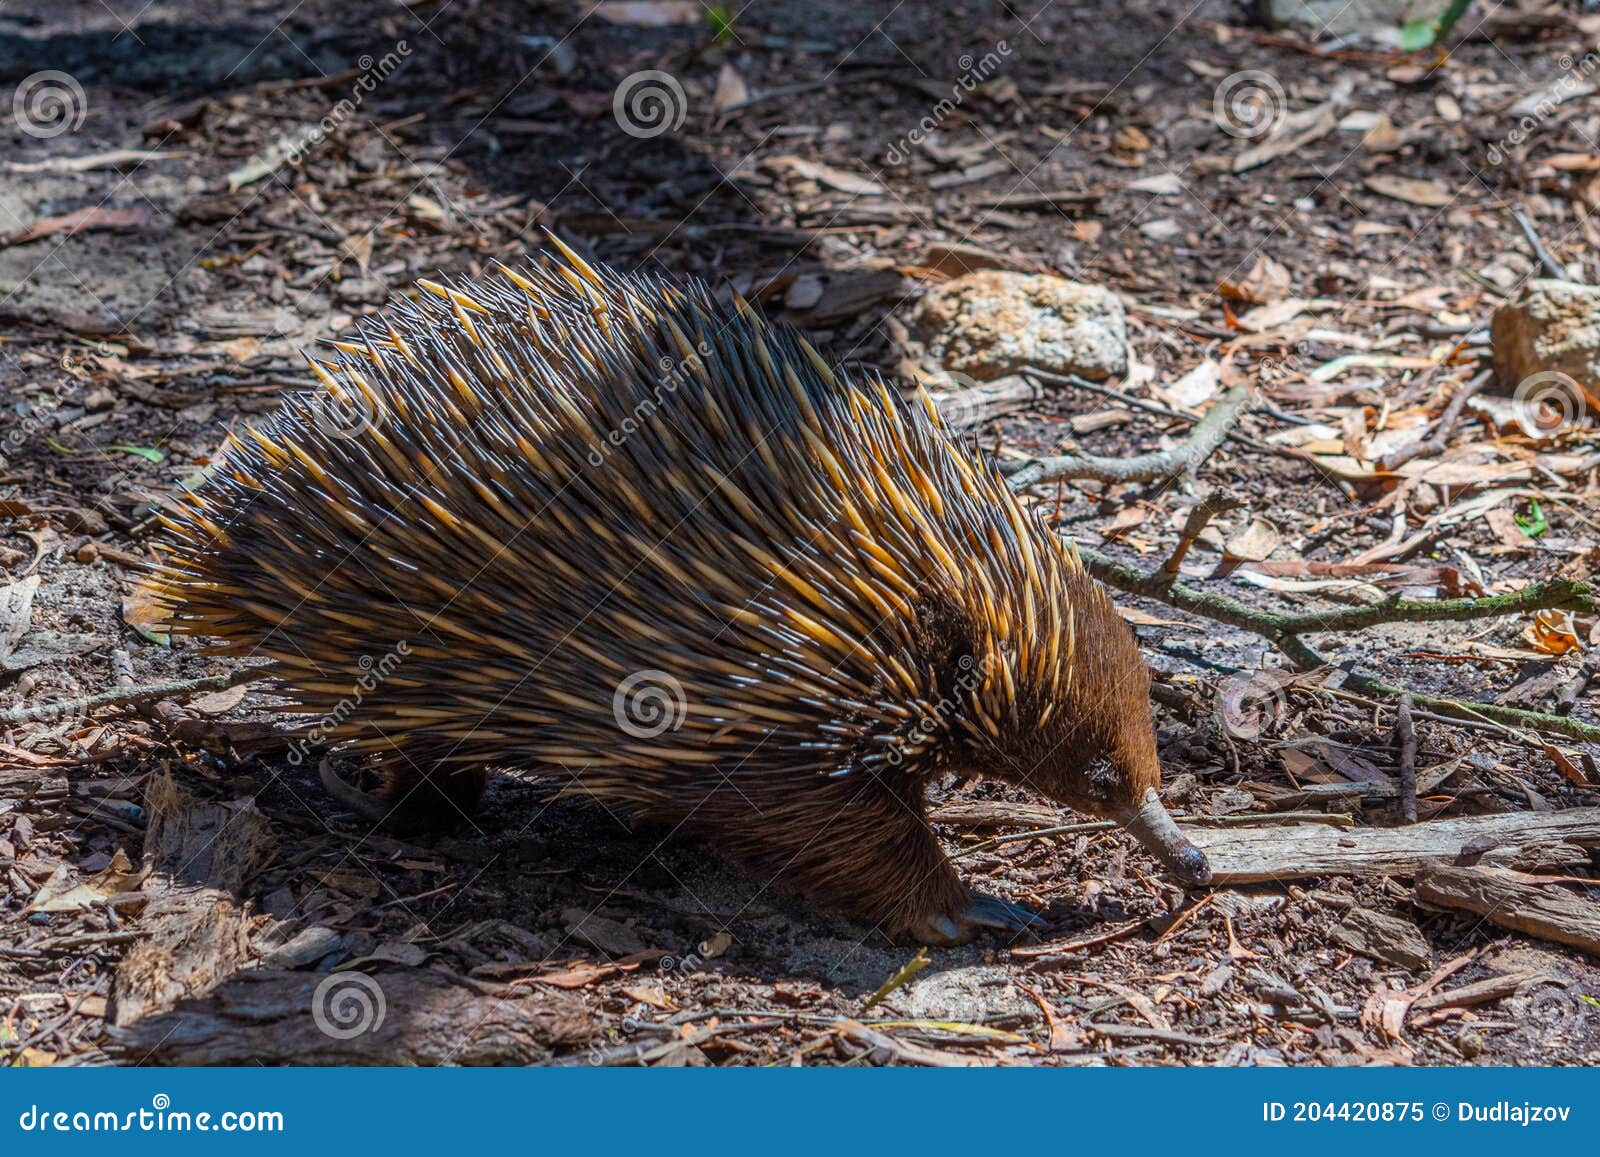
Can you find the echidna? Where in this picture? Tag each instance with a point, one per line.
(603, 527)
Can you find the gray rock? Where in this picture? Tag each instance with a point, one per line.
(1375, 19)
(362, 291)
(972, 994)
(992, 323)
(1552, 326)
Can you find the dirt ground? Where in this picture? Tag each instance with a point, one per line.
(827, 158)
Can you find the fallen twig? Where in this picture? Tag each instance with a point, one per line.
(1406, 736)
(1156, 466)
(973, 406)
(1248, 819)
(1550, 264)
(1439, 438)
(1219, 502)
(1285, 630)
(123, 695)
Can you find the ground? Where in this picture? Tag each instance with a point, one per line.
(814, 156)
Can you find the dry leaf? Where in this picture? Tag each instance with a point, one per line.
(16, 610)
(828, 175)
(216, 702)
(1195, 388)
(1255, 542)
(1125, 520)
(649, 13)
(651, 994)
(1429, 194)
(1266, 282)
(731, 89)
(578, 976)
(1552, 632)
(1381, 137)
(78, 221)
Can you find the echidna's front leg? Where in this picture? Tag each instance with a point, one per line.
(864, 849)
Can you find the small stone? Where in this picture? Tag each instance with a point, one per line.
(310, 944)
(602, 932)
(993, 323)
(1552, 327)
(362, 291)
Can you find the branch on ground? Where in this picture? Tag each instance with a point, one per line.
(1157, 466)
(119, 696)
(1284, 631)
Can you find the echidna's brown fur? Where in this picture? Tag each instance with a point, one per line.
(568, 477)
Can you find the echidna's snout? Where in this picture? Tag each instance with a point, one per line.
(1152, 826)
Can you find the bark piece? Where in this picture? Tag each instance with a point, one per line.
(1386, 939)
(1552, 327)
(1517, 901)
(1241, 855)
(197, 933)
(994, 814)
(401, 1017)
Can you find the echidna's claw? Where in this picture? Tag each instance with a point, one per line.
(993, 912)
(982, 911)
